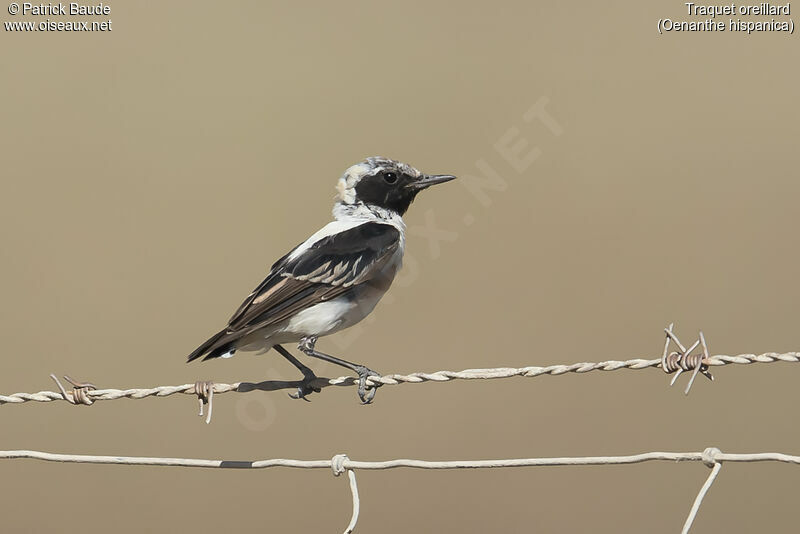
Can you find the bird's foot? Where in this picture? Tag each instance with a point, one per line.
(306, 386)
(366, 394)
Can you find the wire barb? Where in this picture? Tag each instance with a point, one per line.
(685, 361)
(79, 393)
(204, 389)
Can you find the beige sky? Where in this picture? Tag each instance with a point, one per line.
(152, 173)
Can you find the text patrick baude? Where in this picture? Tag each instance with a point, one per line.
(73, 8)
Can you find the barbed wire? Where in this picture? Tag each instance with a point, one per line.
(712, 457)
(396, 379)
(676, 361)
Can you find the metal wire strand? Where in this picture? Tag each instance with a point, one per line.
(395, 379)
(340, 463)
(677, 362)
(710, 458)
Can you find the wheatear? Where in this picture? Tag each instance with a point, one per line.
(333, 279)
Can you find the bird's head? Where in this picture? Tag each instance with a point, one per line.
(385, 183)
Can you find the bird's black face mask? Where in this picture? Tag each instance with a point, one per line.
(395, 190)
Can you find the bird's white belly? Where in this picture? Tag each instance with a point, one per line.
(321, 318)
(342, 312)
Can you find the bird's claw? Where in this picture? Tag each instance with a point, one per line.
(366, 394)
(306, 388)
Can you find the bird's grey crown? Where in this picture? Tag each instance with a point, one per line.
(346, 187)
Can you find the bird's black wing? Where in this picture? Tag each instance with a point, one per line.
(329, 268)
(273, 276)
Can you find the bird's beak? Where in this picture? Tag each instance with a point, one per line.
(428, 180)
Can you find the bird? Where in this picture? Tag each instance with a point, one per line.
(333, 279)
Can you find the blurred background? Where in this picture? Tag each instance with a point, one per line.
(613, 180)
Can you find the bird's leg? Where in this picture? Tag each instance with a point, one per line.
(306, 386)
(306, 345)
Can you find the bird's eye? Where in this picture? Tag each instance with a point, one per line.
(390, 177)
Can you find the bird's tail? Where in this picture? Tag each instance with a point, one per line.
(215, 346)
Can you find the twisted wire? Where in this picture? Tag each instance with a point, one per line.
(413, 378)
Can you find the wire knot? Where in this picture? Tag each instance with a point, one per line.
(710, 455)
(337, 464)
(80, 391)
(204, 389)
